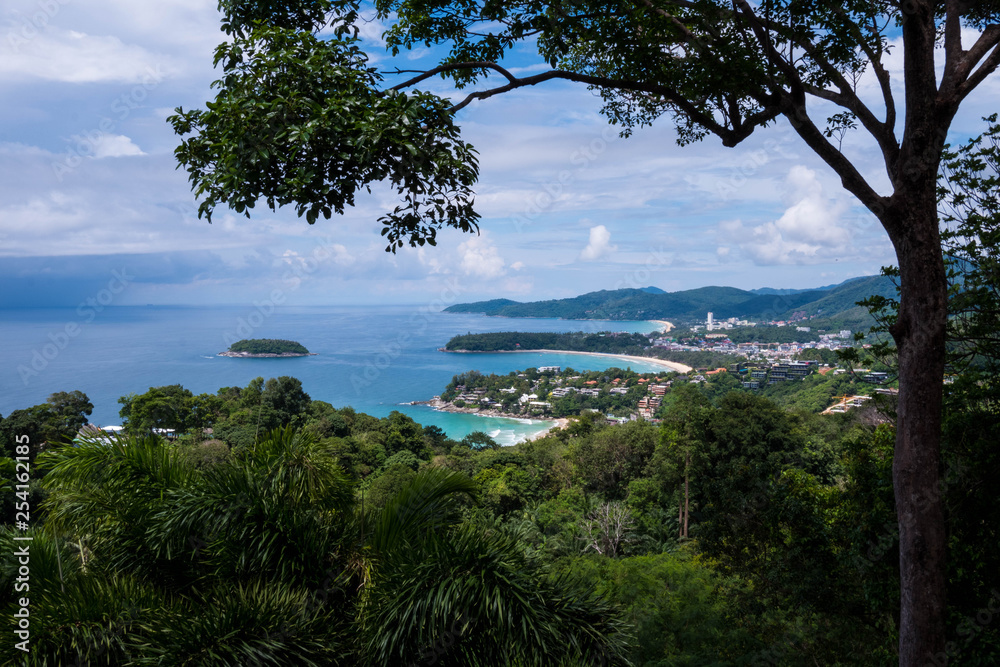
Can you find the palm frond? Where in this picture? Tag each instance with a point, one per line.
(425, 504)
(472, 597)
(258, 623)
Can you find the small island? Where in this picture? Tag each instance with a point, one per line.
(262, 348)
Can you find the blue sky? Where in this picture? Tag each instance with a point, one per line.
(88, 187)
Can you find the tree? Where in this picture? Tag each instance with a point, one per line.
(69, 411)
(478, 440)
(607, 529)
(284, 397)
(266, 558)
(684, 414)
(168, 407)
(747, 443)
(970, 212)
(302, 120)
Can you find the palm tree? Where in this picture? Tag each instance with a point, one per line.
(266, 559)
(452, 592)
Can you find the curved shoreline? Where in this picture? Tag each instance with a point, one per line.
(442, 406)
(667, 326)
(672, 365)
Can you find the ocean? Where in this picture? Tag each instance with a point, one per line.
(374, 358)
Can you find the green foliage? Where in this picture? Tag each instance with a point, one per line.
(816, 392)
(207, 453)
(268, 346)
(504, 392)
(479, 440)
(265, 557)
(170, 407)
(674, 603)
(611, 458)
(56, 421)
(188, 552)
(607, 342)
(304, 120)
(971, 241)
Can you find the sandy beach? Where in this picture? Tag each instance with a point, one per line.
(667, 326)
(556, 425)
(553, 422)
(672, 365)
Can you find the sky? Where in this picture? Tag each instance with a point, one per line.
(92, 204)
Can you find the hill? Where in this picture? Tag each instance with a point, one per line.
(266, 347)
(836, 306)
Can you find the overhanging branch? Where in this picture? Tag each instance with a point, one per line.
(730, 135)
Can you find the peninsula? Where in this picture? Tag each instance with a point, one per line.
(262, 348)
(620, 345)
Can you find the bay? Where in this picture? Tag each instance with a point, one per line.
(374, 358)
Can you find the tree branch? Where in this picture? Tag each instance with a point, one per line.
(848, 99)
(987, 67)
(850, 177)
(730, 137)
(424, 75)
(792, 105)
(883, 80)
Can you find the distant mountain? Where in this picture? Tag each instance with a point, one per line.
(694, 305)
(652, 290)
(776, 292)
(785, 292)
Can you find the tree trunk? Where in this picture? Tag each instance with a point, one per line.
(680, 518)
(687, 505)
(920, 339)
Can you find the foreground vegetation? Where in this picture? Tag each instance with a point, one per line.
(737, 532)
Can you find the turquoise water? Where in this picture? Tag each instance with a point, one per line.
(376, 359)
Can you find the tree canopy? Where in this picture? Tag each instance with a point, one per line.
(305, 120)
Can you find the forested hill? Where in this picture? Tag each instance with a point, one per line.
(724, 302)
(613, 343)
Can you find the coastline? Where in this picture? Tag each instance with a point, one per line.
(667, 326)
(672, 365)
(442, 406)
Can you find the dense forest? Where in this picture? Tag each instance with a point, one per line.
(277, 529)
(268, 346)
(610, 342)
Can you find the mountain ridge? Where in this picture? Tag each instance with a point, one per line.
(695, 304)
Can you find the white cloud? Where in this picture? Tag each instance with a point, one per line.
(481, 258)
(599, 245)
(57, 54)
(115, 145)
(811, 229)
(341, 255)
